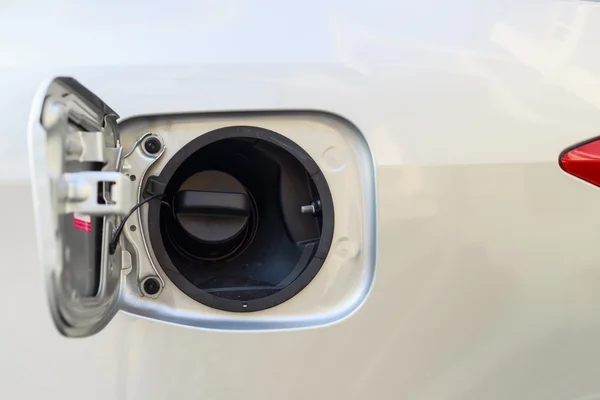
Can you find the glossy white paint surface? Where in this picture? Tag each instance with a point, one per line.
(488, 271)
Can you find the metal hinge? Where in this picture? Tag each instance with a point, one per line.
(96, 193)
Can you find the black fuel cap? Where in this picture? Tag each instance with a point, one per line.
(213, 207)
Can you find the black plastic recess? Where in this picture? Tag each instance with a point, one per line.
(229, 231)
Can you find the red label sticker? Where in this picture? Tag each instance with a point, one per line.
(82, 222)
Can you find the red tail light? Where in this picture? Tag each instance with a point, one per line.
(583, 161)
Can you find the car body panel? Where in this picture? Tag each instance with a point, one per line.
(487, 281)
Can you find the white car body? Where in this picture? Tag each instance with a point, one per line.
(487, 272)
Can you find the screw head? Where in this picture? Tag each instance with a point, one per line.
(152, 145)
(151, 286)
